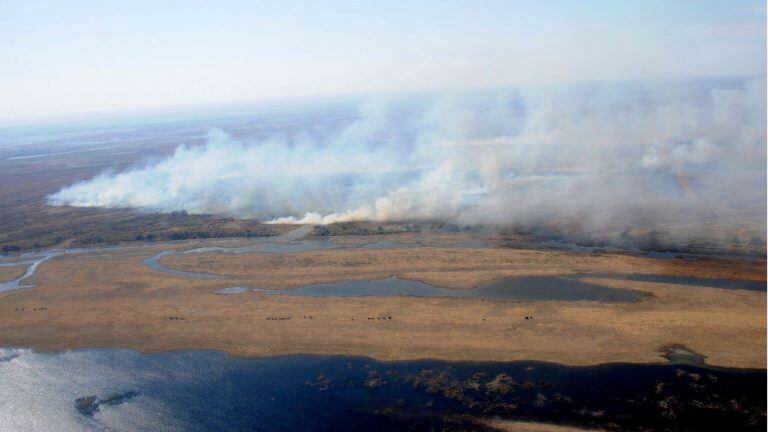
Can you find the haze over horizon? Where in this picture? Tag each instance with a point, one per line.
(123, 57)
(609, 157)
(652, 134)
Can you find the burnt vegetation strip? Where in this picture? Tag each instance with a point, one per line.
(90, 227)
(375, 228)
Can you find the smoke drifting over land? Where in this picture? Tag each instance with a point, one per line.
(593, 156)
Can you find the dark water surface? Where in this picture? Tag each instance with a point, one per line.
(711, 283)
(682, 280)
(119, 389)
(517, 288)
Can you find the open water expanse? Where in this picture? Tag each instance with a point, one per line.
(121, 389)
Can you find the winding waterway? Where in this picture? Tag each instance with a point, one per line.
(31, 269)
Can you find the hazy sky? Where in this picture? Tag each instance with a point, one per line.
(63, 58)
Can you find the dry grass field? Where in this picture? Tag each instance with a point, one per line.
(108, 298)
(10, 273)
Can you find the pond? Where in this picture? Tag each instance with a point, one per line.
(524, 288)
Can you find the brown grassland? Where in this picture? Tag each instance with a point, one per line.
(10, 273)
(108, 298)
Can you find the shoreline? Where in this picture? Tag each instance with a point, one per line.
(161, 352)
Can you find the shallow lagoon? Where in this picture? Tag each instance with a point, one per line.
(526, 288)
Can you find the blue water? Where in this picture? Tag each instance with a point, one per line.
(120, 389)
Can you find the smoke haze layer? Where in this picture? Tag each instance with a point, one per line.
(592, 157)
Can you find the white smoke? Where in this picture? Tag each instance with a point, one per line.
(595, 154)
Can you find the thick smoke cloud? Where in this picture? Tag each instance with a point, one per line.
(591, 157)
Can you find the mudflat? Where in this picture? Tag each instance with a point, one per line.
(109, 298)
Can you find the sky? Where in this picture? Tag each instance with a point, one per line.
(78, 58)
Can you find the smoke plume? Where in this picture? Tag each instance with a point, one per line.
(592, 157)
